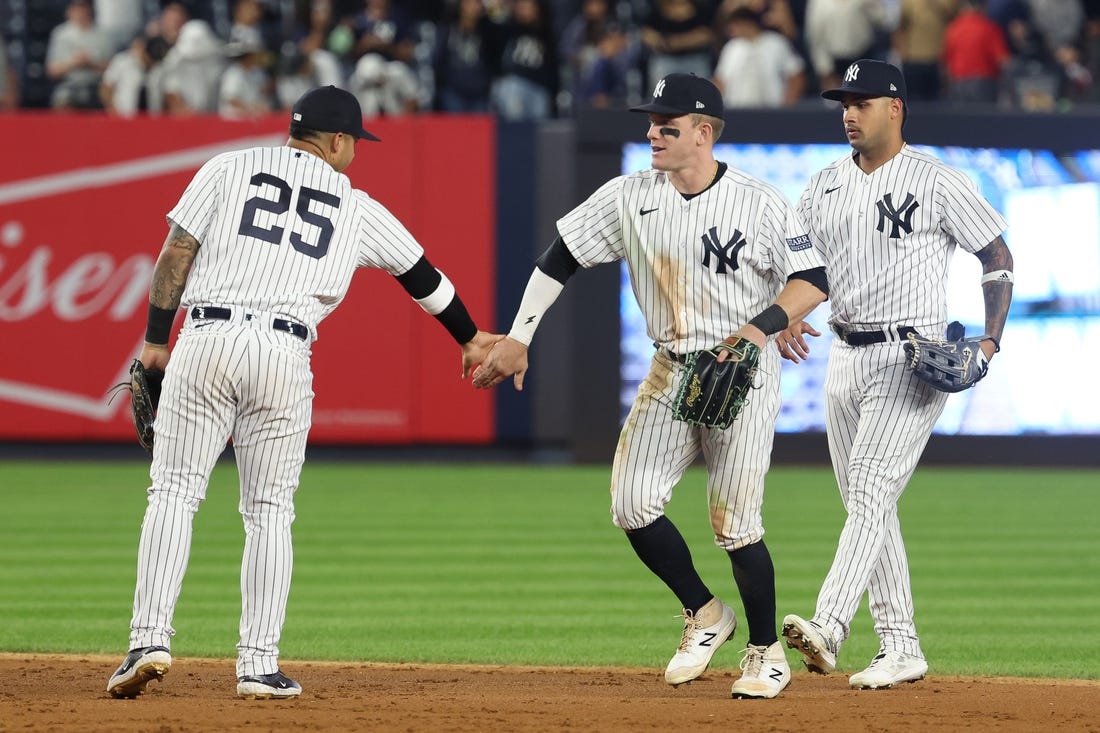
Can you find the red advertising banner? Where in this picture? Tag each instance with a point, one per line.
(81, 224)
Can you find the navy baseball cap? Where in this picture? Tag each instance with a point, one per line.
(684, 94)
(329, 109)
(870, 78)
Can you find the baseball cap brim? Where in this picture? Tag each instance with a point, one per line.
(837, 95)
(659, 109)
(364, 135)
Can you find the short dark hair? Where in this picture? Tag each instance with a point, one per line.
(298, 131)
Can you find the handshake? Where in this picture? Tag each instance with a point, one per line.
(492, 358)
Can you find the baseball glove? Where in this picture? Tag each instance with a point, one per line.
(144, 397)
(951, 364)
(712, 393)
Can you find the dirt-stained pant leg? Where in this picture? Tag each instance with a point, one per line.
(653, 451)
(879, 419)
(738, 459)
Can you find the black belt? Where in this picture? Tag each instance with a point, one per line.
(866, 338)
(224, 314)
(679, 358)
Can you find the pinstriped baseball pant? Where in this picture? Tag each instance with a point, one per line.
(254, 384)
(879, 418)
(654, 450)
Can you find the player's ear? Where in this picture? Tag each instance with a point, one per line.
(703, 132)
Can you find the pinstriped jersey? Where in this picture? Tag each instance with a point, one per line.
(888, 236)
(700, 267)
(283, 232)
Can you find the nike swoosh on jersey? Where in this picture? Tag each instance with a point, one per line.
(834, 188)
(643, 212)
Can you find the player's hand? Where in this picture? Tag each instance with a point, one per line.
(154, 356)
(476, 349)
(509, 357)
(752, 333)
(792, 341)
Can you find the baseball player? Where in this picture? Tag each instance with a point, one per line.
(262, 246)
(711, 251)
(887, 219)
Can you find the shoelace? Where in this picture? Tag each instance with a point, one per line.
(690, 627)
(753, 660)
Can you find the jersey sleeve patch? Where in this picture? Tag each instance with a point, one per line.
(799, 243)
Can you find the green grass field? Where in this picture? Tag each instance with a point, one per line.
(520, 564)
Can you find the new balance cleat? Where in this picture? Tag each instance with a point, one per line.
(267, 686)
(814, 642)
(887, 669)
(700, 641)
(138, 668)
(764, 672)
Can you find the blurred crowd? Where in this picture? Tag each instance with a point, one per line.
(534, 59)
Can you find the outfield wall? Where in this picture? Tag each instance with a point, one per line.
(82, 206)
(81, 220)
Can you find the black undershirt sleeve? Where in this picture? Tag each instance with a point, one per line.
(420, 281)
(557, 261)
(815, 276)
(456, 319)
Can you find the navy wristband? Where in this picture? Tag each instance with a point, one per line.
(772, 319)
(158, 326)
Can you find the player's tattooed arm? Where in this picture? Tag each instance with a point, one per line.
(997, 279)
(172, 269)
(169, 279)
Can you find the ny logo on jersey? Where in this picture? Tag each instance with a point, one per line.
(852, 73)
(900, 217)
(659, 89)
(725, 254)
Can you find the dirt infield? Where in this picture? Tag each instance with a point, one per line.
(66, 693)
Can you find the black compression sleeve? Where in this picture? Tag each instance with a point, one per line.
(557, 261)
(421, 279)
(456, 319)
(815, 276)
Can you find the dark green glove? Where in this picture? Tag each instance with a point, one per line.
(712, 393)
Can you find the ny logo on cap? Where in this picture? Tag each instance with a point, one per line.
(852, 74)
(659, 89)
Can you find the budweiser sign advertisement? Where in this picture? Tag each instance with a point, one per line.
(82, 221)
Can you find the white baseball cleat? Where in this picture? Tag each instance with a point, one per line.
(138, 668)
(700, 640)
(815, 642)
(765, 672)
(888, 669)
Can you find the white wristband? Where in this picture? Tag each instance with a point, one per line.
(542, 290)
(440, 298)
(998, 276)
